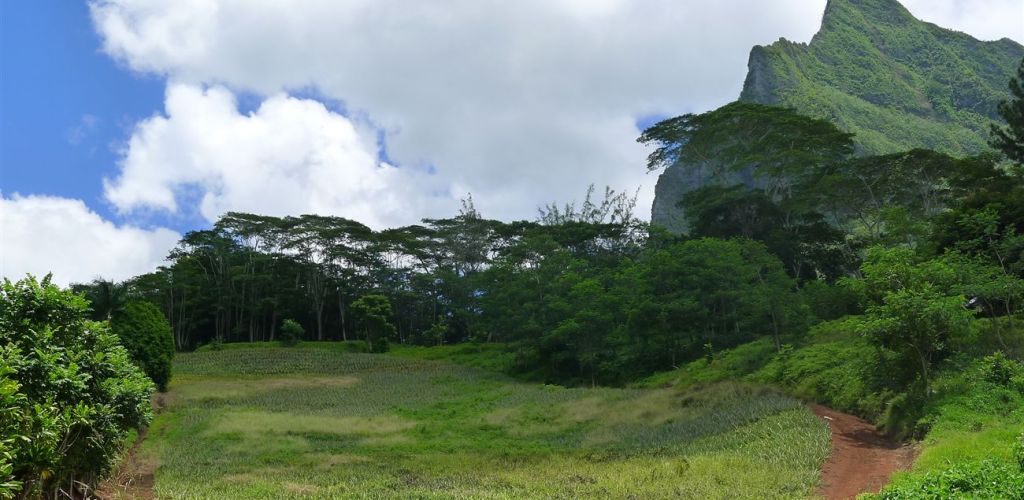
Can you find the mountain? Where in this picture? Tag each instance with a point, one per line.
(875, 70)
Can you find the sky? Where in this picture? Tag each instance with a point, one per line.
(125, 123)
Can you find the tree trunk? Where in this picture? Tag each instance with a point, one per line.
(341, 315)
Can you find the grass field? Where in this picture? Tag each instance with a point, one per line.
(321, 423)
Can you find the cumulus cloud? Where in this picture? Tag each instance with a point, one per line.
(288, 157)
(44, 234)
(518, 102)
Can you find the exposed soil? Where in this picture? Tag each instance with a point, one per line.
(862, 458)
(134, 477)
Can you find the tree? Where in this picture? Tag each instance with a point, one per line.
(374, 313)
(146, 334)
(751, 167)
(70, 393)
(1010, 138)
(291, 332)
(778, 144)
(916, 307)
(106, 297)
(865, 194)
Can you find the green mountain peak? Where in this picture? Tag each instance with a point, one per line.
(895, 81)
(873, 69)
(861, 12)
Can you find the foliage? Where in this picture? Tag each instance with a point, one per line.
(881, 284)
(373, 313)
(980, 479)
(1000, 370)
(1009, 139)
(70, 392)
(896, 82)
(916, 310)
(973, 430)
(106, 298)
(291, 332)
(1018, 452)
(741, 134)
(147, 336)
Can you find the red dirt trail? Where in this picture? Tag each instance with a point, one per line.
(862, 459)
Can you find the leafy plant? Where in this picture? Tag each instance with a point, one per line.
(291, 332)
(69, 392)
(374, 313)
(999, 369)
(146, 334)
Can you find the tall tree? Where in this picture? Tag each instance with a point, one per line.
(1009, 138)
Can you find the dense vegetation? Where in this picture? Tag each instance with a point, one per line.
(145, 333)
(896, 82)
(315, 421)
(864, 282)
(888, 285)
(69, 393)
(590, 294)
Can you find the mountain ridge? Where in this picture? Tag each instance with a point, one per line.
(877, 71)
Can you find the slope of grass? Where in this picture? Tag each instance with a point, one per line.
(969, 426)
(492, 357)
(973, 444)
(319, 423)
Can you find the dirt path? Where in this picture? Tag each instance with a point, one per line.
(134, 476)
(862, 459)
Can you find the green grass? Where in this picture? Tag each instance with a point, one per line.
(492, 357)
(321, 423)
(969, 448)
(968, 424)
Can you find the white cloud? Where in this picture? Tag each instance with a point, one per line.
(289, 157)
(44, 234)
(520, 102)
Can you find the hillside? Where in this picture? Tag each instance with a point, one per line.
(315, 422)
(897, 82)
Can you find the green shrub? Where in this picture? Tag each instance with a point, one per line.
(999, 369)
(1018, 452)
(903, 417)
(291, 332)
(147, 335)
(374, 318)
(830, 302)
(69, 392)
(979, 479)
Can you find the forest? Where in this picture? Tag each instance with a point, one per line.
(913, 260)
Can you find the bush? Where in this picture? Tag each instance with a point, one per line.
(69, 392)
(1018, 452)
(999, 369)
(982, 479)
(147, 335)
(291, 332)
(830, 302)
(374, 318)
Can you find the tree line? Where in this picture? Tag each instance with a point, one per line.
(780, 226)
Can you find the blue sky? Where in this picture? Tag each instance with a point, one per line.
(125, 123)
(64, 105)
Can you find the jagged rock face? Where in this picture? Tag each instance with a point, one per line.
(676, 181)
(873, 69)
